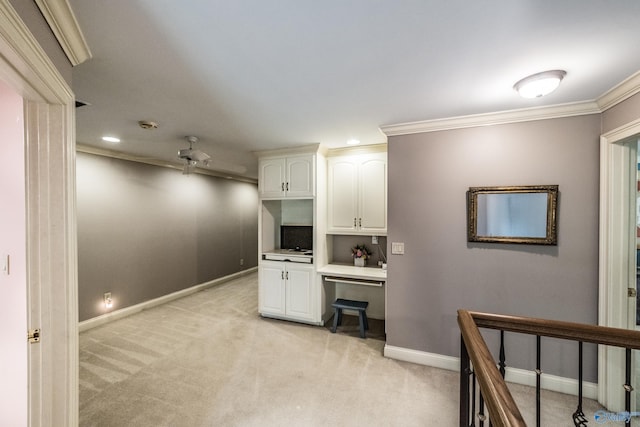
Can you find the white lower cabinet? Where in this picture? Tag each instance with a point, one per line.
(286, 290)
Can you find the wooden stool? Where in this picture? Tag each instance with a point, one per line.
(359, 306)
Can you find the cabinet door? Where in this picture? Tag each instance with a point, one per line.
(271, 183)
(342, 200)
(300, 180)
(372, 215)
(271, 289)
(299, 300)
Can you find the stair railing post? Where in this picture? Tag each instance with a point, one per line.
(465, 369)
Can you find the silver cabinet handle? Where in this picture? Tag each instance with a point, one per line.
(282, 275)
(355, 222)
(287, 275)
(283, 186)
(359, 222)
(287, 186)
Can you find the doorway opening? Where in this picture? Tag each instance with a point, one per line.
(618, 267)
(50, 261)
(636, 353)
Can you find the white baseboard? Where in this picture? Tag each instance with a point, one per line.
(513, 375)
(128, 311)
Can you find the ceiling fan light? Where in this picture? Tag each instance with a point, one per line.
(189, 166)
(539, 84)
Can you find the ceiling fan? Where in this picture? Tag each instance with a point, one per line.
(191, 157)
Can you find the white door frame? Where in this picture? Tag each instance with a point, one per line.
(51, 221)
(618, 169)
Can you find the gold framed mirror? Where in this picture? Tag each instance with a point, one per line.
(524, 214)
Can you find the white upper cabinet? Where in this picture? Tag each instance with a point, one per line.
(357, 194)
(291, 176)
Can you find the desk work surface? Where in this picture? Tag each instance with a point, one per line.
(352, 272)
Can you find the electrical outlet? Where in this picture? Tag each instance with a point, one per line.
(241, 261)
(374, 240)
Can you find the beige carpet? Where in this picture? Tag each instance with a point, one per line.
(209, 360)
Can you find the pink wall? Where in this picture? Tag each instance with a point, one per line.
(13, 302)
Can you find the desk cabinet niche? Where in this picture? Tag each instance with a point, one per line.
(357, 194)
(285, 290)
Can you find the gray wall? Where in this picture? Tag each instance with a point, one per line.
(429, 175)
(146, 231)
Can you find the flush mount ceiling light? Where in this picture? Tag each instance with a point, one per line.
(147, 124)
(111, 139)
(539, 84)
(353, 142)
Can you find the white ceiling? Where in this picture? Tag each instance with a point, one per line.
(246, 75)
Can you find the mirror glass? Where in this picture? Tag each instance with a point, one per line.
(525, 214)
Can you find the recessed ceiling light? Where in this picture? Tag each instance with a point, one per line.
(539, 84)
(111, 139)
(353, 142)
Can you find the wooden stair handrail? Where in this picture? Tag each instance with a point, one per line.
(616, 337)
(503, 411)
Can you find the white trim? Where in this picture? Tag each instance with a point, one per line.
(51, 222)
(623, 132)
(612, 97)
(551, 382)
(81, 148)
(620, 92)
(513, 375)
(449, 363)
(33, 75)
(291, 151)
(128, 311)
(65, 27)
(486, 119)
(359, 149)
(616, 252)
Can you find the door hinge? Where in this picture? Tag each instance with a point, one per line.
(33, 335)
(631, 292)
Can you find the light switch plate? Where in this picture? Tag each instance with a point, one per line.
(397, 248)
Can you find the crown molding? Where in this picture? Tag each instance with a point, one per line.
(81, 148)
(629, 87)
(303, 149)
(497, 118)
(65, 27)
(19, 46)
(359, 149)
(614, 96)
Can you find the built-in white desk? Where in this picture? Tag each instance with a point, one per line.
(356, 283)
(376, 275)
